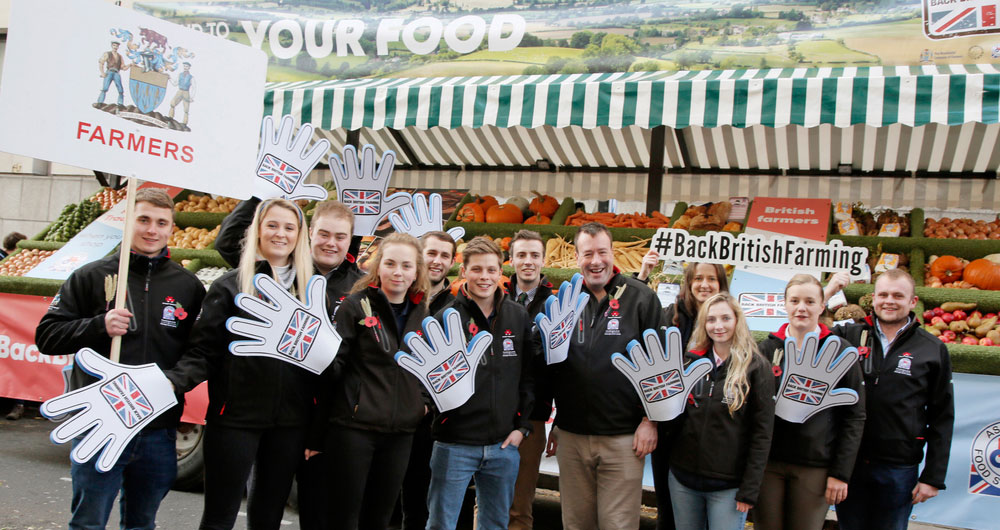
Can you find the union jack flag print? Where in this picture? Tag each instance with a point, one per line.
(661, 386)
(363, 202)
(279, 172)
(299, 335)
(805, 390)
(767, 305)
(448, 373)
(955, 18)
(562, 331)
(127, 400)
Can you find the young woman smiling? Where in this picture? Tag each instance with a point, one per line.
(259, 408)
(811, 462)
(371, 406)
(717, 458)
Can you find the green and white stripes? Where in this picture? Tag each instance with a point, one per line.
(876, 96)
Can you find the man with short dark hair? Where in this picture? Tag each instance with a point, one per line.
(163, 301)
(602, 433)
(910, 403)
(10, 242)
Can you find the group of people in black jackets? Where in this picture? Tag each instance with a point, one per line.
(365, 430)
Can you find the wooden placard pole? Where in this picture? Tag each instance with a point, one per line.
(126, 246)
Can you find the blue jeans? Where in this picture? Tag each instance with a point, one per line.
(143, 475)
(453, 465)
(698, 510)
(879, 496)
(110, 76)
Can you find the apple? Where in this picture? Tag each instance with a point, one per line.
(948, 318)
(989, 315)
(970, 341)
(977, 313)
(928, 315)
(938, 311)
(949, 333)
(959, 314)
(985, 342)
(945, 340)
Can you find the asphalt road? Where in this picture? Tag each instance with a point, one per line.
(35, 488)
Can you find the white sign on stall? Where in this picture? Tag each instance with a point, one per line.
(103, 87)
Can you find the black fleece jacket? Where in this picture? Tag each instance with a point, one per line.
(543, 389)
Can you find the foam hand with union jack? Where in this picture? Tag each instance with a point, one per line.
(110, 411)
(362, 187)
(443, 361)
(658, 374)
(284, 161)
(285, 328)
(419, 217)
(561, 314)
(809, 375)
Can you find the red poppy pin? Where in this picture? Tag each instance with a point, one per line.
(180, 313)
(614, 304)
(777, 371)
(371, 321)
(473, 328)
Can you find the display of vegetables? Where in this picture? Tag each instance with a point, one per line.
(886, 222)
(620, 220)
(72, 219)
(207, 275)
(108, 197)
(193, 238)
(561, 254)
(982, 273)
(711, 216)
(25, 260)
(206, 203)
(961, 322)
(948, 228)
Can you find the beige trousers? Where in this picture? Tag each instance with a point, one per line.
(600, 482)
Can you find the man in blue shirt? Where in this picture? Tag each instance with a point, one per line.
(185, 87)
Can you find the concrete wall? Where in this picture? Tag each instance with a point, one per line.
(28, 203)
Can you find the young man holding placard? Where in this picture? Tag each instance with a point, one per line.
(603, 435)
(163, 302)
(479, 439)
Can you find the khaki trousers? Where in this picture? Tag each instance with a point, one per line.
(531, 450)
(600, 482)
(791, 498)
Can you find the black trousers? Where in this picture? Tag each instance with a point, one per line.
(660, 462)
(313, 492)
(230, 453)
(418, 478)
(366, 470)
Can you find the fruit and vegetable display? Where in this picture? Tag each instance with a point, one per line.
(72, 219)
(953, 272)
(193, 238)
(206, 203)
(207, 275)
(561, 254)
(621, 220)
(108, 197)
(962, 323)
(711, 216)
(856, 220)
(25, 260)
(948, 228)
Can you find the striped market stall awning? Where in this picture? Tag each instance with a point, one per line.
(912, 96)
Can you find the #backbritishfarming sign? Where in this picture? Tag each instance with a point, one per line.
(103, 87)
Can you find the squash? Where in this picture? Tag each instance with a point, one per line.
(543, 204)
(538, 219)
(983, 273)
(521, 203)
(470, 213)
(947, 269)
(504, 213)
(487, 201)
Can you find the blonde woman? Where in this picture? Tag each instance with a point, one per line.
(259, 408)
(811, 462)
(717, 458)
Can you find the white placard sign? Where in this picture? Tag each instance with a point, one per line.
(103, 87)
(775, 252)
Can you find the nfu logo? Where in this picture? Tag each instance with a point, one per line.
(985, 462)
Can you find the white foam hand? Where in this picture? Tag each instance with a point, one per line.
(363, 188)
(418, 218)
(286, 329)
(114, 409)
(808, 378)
(658, 374)
(442, 360)
(561, 314)
(283, 162)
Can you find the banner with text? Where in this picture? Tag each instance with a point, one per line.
(167, 103)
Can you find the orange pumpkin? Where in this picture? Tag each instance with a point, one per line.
(543, 204)
(983, 273)
(947, 269)
(505, 244)
(538, 219)
(470, 213)
(504, 213)
(487, 202)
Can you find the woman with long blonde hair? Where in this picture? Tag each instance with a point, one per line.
(718, 455)
(811, 462)
(259, 408)
(371, 406)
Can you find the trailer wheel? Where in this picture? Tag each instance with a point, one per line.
(190, 457)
